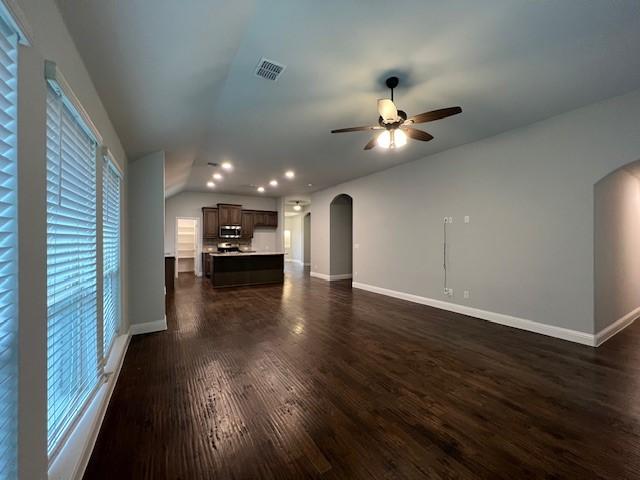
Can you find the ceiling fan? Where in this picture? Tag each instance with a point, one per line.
(395, 125)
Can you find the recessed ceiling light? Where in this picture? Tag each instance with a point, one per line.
(261, 189)
(309, 184)
(211, 184)
(273, 183)
(217, 176)
(289, 174)
(227, 166)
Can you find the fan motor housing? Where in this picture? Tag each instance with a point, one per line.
(394, 125)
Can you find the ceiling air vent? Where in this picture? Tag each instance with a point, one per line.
(269, 69)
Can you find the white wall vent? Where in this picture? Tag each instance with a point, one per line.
(269, 69)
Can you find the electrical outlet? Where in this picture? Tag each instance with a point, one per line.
(450, 219)
(466, 294)
(448, 292)
(466, 219)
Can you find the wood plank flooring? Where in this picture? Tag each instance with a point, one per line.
(314, 380)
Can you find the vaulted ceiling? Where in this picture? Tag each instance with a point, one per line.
(179, 77)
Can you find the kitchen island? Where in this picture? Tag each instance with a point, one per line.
(235, 269)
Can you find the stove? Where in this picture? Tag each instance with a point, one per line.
(226, 247)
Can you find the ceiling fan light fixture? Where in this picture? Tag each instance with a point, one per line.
(392, 139)
(384, 139)
(400, 138)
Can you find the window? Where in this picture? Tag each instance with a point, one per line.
(73, 367)
(111, 252)
(8, 252)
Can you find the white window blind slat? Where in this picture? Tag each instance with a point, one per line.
(8, 253)
(73, 367)
(111, 252)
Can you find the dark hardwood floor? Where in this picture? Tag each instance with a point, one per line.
(315, 380)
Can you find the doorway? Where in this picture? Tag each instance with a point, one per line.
(341, 238)
(186, 245)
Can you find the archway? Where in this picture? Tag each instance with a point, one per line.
(341, 238)
(616, 251)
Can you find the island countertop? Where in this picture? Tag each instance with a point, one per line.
(243, 254)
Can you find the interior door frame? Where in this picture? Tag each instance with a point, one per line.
(197, 266)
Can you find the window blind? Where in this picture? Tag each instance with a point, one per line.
(8, 253)
(111, 252)
(73, 367)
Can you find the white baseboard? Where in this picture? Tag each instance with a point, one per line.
(331, 278)
(502, 319)
(294, 260)
(617, 326)
(148, 327)
(73, 458)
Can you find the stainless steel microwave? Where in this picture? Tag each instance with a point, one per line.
(230, 231)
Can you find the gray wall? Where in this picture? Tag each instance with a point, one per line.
(617, 247)
(306, 228)
(189, 204)
(146, 239)
(51, 41)
(528, 249)
(341, 235)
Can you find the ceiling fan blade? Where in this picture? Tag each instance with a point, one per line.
(434, 115)
(387, 110)
(357, 129)
(371, 143)
(418, 134)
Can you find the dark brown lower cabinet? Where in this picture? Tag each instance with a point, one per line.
(206, 265)
(169, 273)
(237, 270)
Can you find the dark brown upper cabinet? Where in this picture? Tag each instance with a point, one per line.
(209, 223)
(247, 224)
(264, 218)
(229, 214)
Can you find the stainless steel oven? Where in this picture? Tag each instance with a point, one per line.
(230, 231)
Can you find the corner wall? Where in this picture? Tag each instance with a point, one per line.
(617, 249)
(528, 249)
(146, 242)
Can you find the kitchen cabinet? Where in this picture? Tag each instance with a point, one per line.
(272, 219)
(247, 224)
(229, 214)
(206, 264)
(209, 223)
(169, 273)
(265, 218)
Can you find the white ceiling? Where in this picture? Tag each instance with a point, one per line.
(178, 76)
